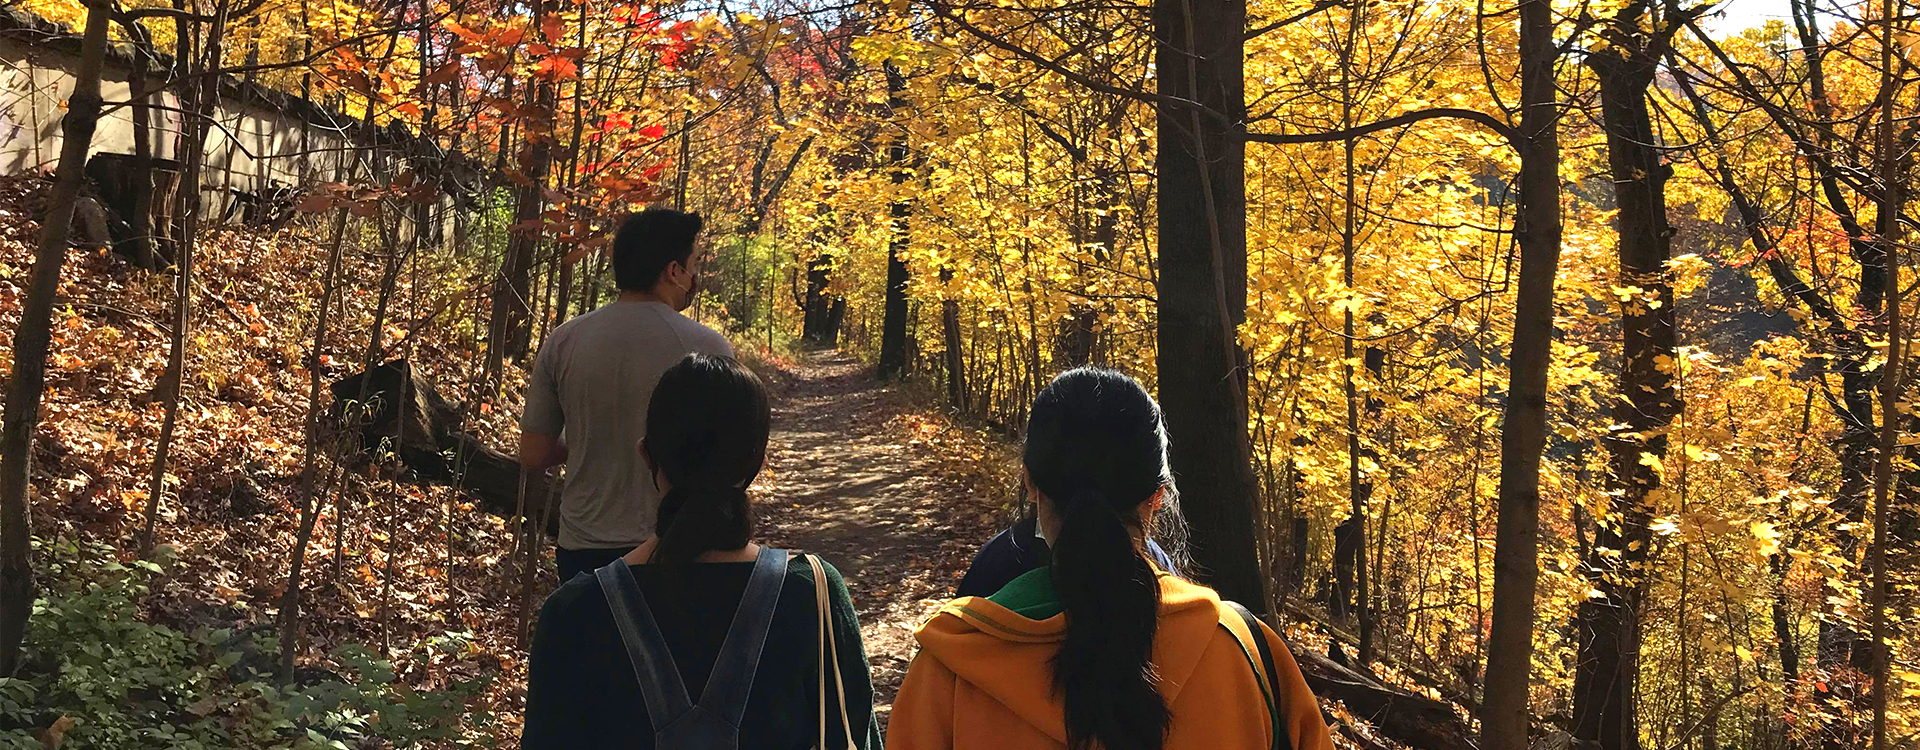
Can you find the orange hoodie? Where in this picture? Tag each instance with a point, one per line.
(982, 680)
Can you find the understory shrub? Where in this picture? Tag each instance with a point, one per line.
(97, 675)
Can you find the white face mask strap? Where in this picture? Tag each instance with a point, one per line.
(688, 289)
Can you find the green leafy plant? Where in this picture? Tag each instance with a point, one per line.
(114, 680)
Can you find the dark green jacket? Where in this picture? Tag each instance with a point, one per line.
(581, 692)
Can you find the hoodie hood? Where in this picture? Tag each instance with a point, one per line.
(1004, 644)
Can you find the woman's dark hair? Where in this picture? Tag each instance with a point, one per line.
(1096, 448)
(707, 433)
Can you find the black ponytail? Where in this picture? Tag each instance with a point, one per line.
(1097, 450)
(707, 430)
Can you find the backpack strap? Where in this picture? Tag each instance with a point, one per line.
(660, 685)
(829, 655)
(1264, 672)
(733, 670)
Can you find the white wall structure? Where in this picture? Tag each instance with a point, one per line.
(260, 138)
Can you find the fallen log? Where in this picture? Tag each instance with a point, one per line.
(1413, 720)
(1334, 631)
(398, 410)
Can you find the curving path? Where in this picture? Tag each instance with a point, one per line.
(865, 477)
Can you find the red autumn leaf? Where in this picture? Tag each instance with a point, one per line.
(314, 202)
(552, 27)
(579, 253)
(556, 68)
(653, 132)
(447, 73)
(461, 31)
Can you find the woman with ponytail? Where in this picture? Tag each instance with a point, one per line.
(699, 638)
(1101, 649)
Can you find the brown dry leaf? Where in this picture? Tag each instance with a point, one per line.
(54, 736)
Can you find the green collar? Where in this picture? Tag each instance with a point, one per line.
(1030, 596)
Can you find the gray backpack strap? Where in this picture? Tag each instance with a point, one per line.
(660, 684)
(739, 659)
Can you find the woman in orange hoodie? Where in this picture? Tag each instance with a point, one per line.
(1101, 649)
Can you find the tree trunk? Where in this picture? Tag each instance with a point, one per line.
(289, 618)
(1609, 625)
(32, 339)
(137, 245)
(819, 325)
(1346, 559)
(955, 358)
(389, 278)
(200, 101)
(1296, 573)
(1074, 338)
(1889, 234)
(1505, 716)
(288, 621)
(510, 329)
(1359, 485)
(1839, 645)
(1201, 165)
(893, 328)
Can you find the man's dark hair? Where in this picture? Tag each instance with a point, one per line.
(650, 241)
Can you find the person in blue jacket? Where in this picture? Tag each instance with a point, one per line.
(1019, 549)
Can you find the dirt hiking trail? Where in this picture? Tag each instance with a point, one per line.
(883, 487)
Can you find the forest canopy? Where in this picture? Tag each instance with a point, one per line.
(1548, 356)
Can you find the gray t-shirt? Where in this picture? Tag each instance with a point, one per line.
(594, 377)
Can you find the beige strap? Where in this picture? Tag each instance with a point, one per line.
(820, 619)
(829, 654)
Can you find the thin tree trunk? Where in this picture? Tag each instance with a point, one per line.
(34, 336)
(510, 328)
(1359, 487)
(200, 100)
(141, 223)
(955, 358)
(1505, 716)
(1889, 231)
(289, 624)
(893, 327)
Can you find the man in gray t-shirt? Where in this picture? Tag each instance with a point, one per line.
(591, 383)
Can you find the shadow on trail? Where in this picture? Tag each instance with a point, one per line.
(847, 479)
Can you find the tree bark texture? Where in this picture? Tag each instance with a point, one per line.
(1201, 227)
(1505, 715)
(1609, 624)
(893, 327)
